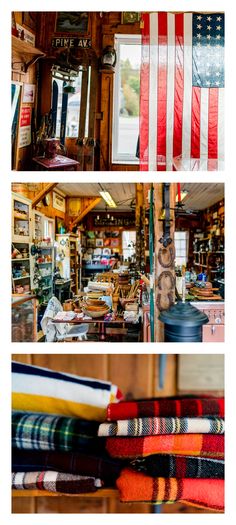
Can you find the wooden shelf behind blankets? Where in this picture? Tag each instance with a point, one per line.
(100, 493)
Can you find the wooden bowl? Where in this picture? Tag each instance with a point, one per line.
(95, 302)
(97, 313)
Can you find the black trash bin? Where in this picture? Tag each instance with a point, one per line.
(183, 323)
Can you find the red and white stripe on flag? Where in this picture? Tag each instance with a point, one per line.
(176, 118)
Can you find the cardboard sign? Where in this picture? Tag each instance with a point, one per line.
(25, 116)
(25, 127)
(84, 43)
(27, 35)
(202, 372)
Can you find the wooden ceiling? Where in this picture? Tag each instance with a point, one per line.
(122, 194)
(201, 195)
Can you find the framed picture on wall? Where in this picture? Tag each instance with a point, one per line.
(72, 22)
(28, 93)
(58, 202)
(29, 19)
(99, 242)
(130, 17)
(60, 225)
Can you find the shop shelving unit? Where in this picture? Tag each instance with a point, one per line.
(21, 238)
(68, 258)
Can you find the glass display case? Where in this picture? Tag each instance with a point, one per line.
(21, 210)
(24, 319)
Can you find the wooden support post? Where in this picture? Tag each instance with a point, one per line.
(49, 187)
(140, 223)
(164, 259)
(84, 212)
(106, 122)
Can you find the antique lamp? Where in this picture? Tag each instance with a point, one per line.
(108, 58)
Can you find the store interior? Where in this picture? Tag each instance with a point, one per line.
(187, 388)
(81, 99)
(117, 262)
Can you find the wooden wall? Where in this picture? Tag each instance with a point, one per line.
(136, 376)
(102, 29)
(23, 155)
(31, 191)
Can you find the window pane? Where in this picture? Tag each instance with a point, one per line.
(126, 98)
(73, 109)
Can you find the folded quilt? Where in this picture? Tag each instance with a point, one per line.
(205, 493)
(167, 407)
(47, 432)
(169, 466)
(54, 482)
(152, 426)
(203, 445)
(42, 390)
(103, 467)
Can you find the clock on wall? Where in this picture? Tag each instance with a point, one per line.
(46, 199)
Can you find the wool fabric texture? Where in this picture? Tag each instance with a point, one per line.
(99, 466)
(151, 426)
(169, 466)
(137, 487)
(54, 482)
(43, 390)
(167, 407)
(48, 432)
(203, 445)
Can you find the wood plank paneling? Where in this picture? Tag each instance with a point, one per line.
(65, 505)
(84, 365)
(24, 506)
(132, 373)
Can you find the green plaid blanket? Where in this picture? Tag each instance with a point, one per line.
(36, 431)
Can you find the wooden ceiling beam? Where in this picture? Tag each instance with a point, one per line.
(44, 192)
(85, 211)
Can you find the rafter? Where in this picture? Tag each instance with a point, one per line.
(42, 193)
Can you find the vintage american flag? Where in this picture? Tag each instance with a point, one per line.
(182, 90)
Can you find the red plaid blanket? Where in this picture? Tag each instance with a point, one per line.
(183, 407)
(203, 445)
(205, 493)
(54, 482)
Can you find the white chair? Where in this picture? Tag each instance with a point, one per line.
(60, 331)
(80, 332)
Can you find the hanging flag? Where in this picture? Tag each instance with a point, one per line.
(182, 90)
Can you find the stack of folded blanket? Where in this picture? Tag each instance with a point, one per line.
(175, 449)
(55, 420)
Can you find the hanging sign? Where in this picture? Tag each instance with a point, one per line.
(25, 127)
(84, 43)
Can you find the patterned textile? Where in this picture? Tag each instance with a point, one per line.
(42, 390)
(46, 432)
(151, 426)
(167, 407)
(206, 493)
(168, 466)
(54, 482)
(100, 466)
(203, 445)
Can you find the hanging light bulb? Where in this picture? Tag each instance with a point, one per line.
(98, 217)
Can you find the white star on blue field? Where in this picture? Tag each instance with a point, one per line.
(208, 50)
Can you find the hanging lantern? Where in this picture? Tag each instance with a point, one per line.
(108, 58)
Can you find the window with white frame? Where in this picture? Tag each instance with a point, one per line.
(128, 244)
(73, 107)
(126, 99)
(181, 240)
